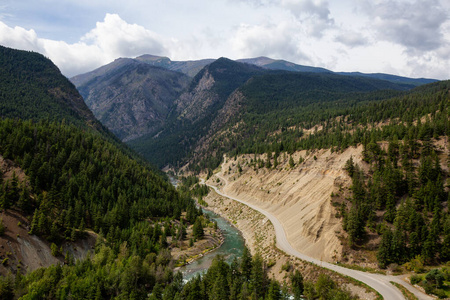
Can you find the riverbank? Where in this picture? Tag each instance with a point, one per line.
(184, 254)
(260, 237)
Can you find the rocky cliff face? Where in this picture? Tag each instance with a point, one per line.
(131, 98)
(192, 104)
(210, 89)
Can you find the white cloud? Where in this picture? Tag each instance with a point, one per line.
(278, 40)
(405, 37)
(313, 14)
(351, 38)
(110, 39)
(118, 38)
(416, 25)
(19, 38)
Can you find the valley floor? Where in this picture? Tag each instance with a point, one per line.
(298, 199)
(259, 235)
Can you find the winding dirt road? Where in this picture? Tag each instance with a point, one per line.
(381, 283)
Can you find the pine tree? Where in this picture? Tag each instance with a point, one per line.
(384, 250)
(34, 223)
(258, 277)
(246, 264)
(350, 166)
(220, 288)
(325, 287)
(274, 291)
(297, 284)
(275, 160)
(291, 162)
(198, 228)
(24, 200)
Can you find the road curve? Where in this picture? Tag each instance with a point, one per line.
(377, 281)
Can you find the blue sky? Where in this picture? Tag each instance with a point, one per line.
(402, 37)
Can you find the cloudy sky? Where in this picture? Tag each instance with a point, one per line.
(403, 37)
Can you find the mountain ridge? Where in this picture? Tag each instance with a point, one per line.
(191, 115)
(141, 94)
(29, 80)
(192, 67)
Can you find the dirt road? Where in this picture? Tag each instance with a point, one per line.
(381, 283)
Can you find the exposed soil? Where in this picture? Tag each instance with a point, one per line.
(9, 168)
(300, 197)
(22, 251)
(259, 235)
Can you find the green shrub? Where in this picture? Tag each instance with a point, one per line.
(415, 279)
(286, 266)
(440, 293)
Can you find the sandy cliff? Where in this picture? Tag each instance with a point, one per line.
(299, 197)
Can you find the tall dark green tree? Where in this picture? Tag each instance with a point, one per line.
(198, 228)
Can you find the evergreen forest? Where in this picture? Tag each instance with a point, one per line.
(80, 179)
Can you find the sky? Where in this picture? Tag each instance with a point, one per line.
(401, 37)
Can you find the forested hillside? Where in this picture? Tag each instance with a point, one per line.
(170, 118)
(78, 178)
(271, 99)
(194, 111)
(403, 199)
(31, 87)
(400, 195)
(293, 111)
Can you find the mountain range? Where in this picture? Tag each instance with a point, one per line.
(155, 103)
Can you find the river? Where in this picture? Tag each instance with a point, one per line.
(232, 247)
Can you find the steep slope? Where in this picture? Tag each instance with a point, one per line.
(260, 112)
(32, 87)
(299, 196)
(394, 209)
(131, 98)
(212, 86)
(63, 178)
(194, 111)
(207, 103)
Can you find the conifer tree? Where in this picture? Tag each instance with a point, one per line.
(246, 264)
(198, 228)
(297, 284)
(291, 162)
(258, 277)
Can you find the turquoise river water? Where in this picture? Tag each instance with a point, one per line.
(232, 247)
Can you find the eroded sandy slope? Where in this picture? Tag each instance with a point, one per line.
(299, 197)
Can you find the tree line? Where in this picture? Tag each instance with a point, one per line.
(406, 185)
(271, 122)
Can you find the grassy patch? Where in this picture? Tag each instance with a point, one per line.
(408, 295)
(363, 269)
